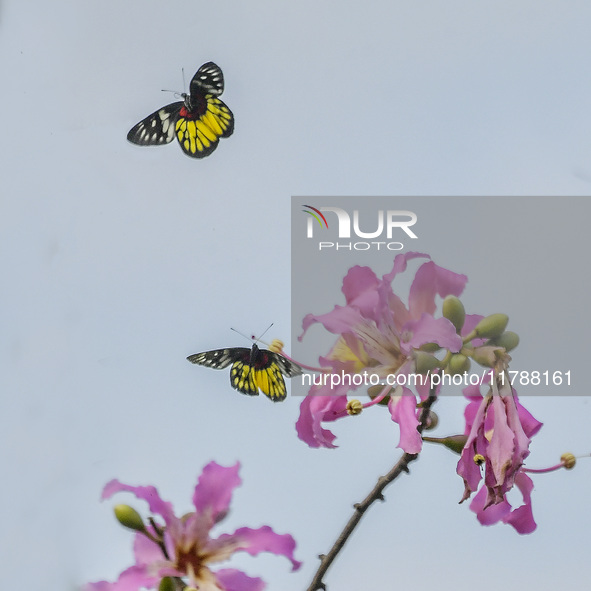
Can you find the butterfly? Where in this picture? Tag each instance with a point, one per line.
(198, 121)
(252, 369)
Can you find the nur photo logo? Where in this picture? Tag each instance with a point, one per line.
(383, 224)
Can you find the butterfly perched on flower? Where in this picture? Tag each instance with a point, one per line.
(252, 369)
(198, 121)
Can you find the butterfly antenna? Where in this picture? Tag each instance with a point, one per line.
(184, 82)
(266, 331)
(251, 338)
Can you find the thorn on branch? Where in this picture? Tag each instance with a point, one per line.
(321, 556)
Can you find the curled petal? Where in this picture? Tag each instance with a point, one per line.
(522, 518)
(403, 410)
(313, 411)
(235, 580)
(131, 579)
(265, 539)
(214, 489)
(146, 493)
(476, 443)
(400, 262)
(431, 280)
(530, 424)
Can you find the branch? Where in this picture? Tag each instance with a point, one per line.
(375, 495)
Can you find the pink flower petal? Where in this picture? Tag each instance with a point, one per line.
(131, 579)
(476, 443)
(491, 514)
(403, 410)
(340, 320)
(235, 580)
(502, 444)
(214, 488)
(432, 330)
(522, 518)
(146, 551)
(146, 493)
(400, 262)
(264, 539)
(360, 290)
(313, 411)
(431, 280)
(530, 425)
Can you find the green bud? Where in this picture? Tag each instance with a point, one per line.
(458, 364)
(454, 311)
(429, 347)
(425, 362)
(167, 584)
(492, 326)
(508, 340)
(129, 517)
(454, 442)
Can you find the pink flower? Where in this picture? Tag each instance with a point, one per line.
(377, 337)
(182, 547)
(499, 431)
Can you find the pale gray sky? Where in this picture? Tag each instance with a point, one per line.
(119, 261)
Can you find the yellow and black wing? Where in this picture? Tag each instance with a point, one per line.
(199, 131)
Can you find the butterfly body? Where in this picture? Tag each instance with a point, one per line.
(252, 369)
(198, 121)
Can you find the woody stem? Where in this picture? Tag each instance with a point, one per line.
(376, 494)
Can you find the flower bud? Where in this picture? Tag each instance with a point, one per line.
(454, 442)
(425, 362)
(508, 340)
(354, 407)
(432, 421)
(485, 355)
(492, 326)
(167, 584)
(458, 364)
(429, 347)
(129, 517)
(454, 311)
(568, 460)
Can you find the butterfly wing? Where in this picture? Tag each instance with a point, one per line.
(199, 130)
(288, 368)
(220, 358)
(158, 128)
(208, 79)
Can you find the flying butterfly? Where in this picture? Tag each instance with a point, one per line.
(198, 121)
(252, 369)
